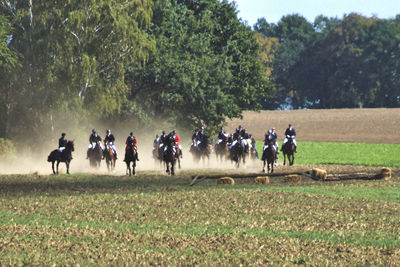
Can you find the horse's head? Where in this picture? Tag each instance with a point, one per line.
(70, 145)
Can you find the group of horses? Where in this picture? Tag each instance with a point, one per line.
(269, 155)
(171, 155)
(95, 156)
(237, 153)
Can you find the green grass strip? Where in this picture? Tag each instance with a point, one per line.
(377, 239)
(363, 154)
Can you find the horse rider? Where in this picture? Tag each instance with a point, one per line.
(156, 142)
(290, 133)
(275, 138)
(268, 138)
(168, 141)
(194, 139)
(177, 141)
(222, 136)
(131, 143)
(200, 136)
(110, 139)
(230, 140)
(62, 142)
(93, 139)
(253, 144)
(163, 138)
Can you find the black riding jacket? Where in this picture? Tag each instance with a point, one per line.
(94, 138)
(290, 132)
(62, 142)
(222, 135)
(110, 138)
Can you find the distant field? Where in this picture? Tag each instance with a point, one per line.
(335, 125)
(152, 219)
(362, 154)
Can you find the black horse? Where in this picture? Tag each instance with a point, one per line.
(130, 156)
(65, 156)
(238, 152)
(269, 156)
(221, 149)
(288, 150)
(95, 155)
(169, 158)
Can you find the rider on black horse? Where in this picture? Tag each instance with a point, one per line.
(222, 136)
(110, 139)
(62, 142)
(168, 141)
(131, 143)
(290, 133)
(93, 139)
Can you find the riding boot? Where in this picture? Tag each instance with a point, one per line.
(87, 154)
(116, 156)
(295, 149)
(137, 156)
(181, 155)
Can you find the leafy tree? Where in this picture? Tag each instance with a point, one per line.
(73, 58)
(205, 68)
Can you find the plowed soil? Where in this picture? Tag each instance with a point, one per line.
(335, 125)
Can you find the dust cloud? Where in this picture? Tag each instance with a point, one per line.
(29, 162)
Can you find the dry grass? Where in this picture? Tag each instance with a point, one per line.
(261, 180)
(335, 125)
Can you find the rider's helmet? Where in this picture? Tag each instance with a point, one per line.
(157, 135)
(240, 127)
(63, 134)
(290, 125)
(108, 131)
(173, 132)
(93, 131)
(222, 127)
(131, 133)
(163, 132)
(273, 129)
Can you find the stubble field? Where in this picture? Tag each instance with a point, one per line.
(153, 219)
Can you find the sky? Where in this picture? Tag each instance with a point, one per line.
(273, 10)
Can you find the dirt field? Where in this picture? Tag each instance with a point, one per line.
(335, 125)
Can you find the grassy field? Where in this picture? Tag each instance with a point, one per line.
(363, 154)
(154, 219)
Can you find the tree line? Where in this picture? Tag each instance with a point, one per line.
(182, 63)
(333, 63)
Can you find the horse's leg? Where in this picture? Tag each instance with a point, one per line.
(52, 166)
(167, 163)
(263, 170)
(284, 158)
(172, 168)
(58, 163)
(67, 164)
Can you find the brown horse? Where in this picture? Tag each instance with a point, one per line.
(269, 155)
(65, 156)
(130, 156)
(169, 158)
(95, 155)
(222, 150)
(109, 157)
(288, 150)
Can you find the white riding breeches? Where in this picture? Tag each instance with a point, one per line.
(294, 141)
(93, 145)
(61, 149)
